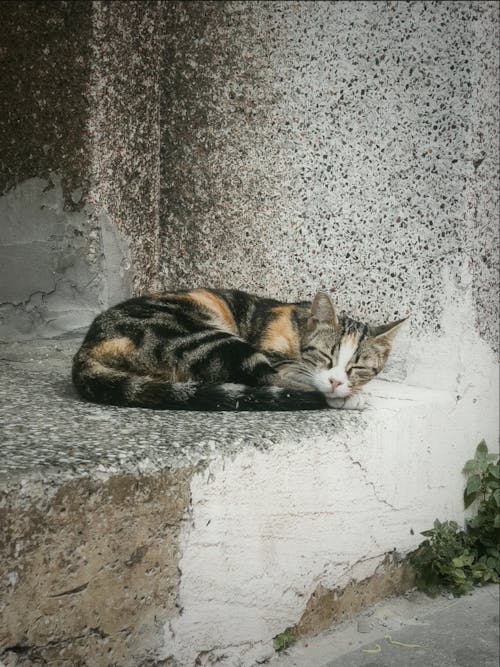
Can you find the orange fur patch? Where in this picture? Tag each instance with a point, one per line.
(113, 348)
(280, 334)
(217, 306)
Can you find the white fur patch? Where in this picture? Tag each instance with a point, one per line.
(357, 402)
(322, 379)
(348, 347)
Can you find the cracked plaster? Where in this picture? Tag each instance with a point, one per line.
(51, 279)
(80, 115)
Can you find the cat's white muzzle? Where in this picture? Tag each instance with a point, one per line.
(333, 383)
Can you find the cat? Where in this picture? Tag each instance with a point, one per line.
(208, 349)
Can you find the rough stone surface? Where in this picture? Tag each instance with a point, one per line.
(264, 146)
(48, 281)
(270, 147)
(274, 503)
(352, 147)
(79, 96)
(47, 429)
(124, 128)
(89, 568)
(270, 528)
(45, 64)
(327, 607)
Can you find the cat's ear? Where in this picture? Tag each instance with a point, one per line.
(387, 332)
(322, 310)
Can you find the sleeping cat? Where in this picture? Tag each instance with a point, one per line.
(210, 349)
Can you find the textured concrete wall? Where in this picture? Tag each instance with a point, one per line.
(44, 164)
(124, 127)
(334, 144)
(272, 531)
(274, 146)
(196, 538)
(87, 567)
(45, 64)
(79, 167)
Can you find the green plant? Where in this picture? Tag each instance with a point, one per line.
(483, 529)
(456, 559)
(284, 640)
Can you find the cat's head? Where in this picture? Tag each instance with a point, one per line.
(343, 355)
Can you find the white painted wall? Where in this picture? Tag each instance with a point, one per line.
(268, 526)
(368, 164)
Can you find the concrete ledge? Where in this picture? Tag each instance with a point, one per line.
(132, 537)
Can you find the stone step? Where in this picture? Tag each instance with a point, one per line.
(131, 537)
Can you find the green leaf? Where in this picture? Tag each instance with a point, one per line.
(284, 640)
(481, 449)
(468, 500)
(471, 467)
(479, 567)
(495, 471)
(492, 562)
(473, 485)
(454, 559)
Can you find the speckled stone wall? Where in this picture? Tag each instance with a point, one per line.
(337, 145)
(277, 147)
(124, 126)
(79, 160)
(45, 65)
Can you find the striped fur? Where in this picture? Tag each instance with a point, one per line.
(226, 350)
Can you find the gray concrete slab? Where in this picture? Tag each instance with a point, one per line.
(441, 632)
(46, 429)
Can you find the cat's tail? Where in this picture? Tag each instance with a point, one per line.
(102, 384)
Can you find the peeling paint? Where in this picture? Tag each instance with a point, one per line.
(49, 280)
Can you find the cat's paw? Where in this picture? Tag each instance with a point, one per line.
(356, 402)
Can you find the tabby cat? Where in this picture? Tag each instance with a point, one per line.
(210, 349)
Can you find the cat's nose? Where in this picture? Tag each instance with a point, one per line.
(335, 383)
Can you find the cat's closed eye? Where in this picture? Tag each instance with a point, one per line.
(363, 370)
